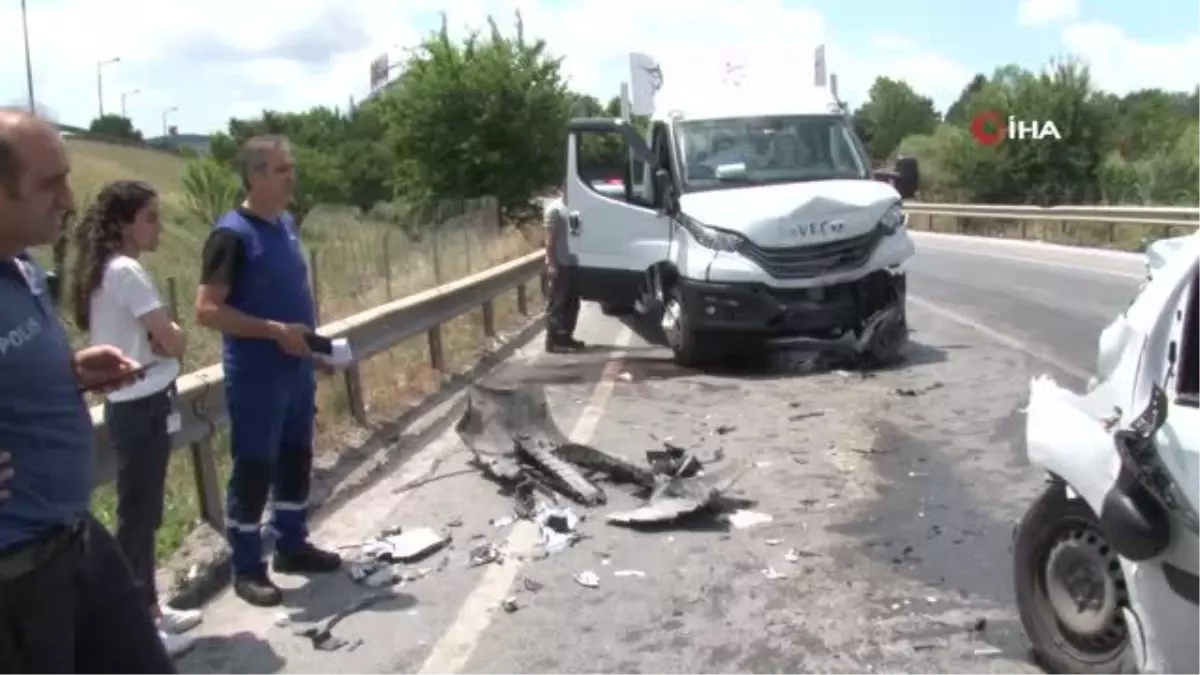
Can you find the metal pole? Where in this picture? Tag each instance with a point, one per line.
(28, 60)
(166, 112)
(100, 81)
(125, 95)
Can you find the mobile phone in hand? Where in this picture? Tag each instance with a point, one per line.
(138, 373)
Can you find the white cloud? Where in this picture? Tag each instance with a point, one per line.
(1121, 64)
(1042, 12)
(293, 54)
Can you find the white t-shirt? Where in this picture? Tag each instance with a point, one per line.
(126, 294)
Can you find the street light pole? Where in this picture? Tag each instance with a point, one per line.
(125, 95)
(100, 81)
(28, 60)
(166, 112)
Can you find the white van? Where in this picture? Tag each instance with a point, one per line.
(752, 215)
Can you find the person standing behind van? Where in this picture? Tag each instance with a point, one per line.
(116, 301)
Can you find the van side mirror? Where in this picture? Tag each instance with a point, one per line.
(908, 177)
(664, 192)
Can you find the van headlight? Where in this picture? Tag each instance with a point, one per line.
(894, 219)
(714, 237)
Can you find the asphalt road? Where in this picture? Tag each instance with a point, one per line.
(899, 505)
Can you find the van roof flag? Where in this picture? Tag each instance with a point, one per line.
(819, 66)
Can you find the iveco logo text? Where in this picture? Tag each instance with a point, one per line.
(17, 337)
(815, 229)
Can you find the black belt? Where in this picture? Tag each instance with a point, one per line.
(29, 556)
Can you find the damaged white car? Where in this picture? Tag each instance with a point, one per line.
(1105, 561)
(751, 215)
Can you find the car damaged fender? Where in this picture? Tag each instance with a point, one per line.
(1064, 439)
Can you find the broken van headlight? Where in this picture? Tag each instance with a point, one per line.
(713, 237)
(893, 219)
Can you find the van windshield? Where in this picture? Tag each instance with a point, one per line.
(738, 151)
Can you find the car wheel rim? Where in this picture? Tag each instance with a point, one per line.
(1086, 591)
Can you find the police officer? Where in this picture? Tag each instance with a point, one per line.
(254, 289)
(563, 297)
(68, 602)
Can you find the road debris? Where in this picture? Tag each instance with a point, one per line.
(625, 377)
(510, 605)
(484, 554)
(743, 519)
(909, 393)
(773, 542)
(987, 650)
(556, 526)
(532, 585)
(515, 441)
(772, 574)
(806, 415)
(321, 632)
(629, 573)
(725, 429)
(395, 545)
(588, 579)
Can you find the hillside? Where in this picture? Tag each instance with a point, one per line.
(353, 250)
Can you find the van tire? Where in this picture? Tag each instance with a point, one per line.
(1049, 519)
(688, 344)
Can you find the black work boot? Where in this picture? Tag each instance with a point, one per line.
(562, 343)
(307, 559)
(257, 589)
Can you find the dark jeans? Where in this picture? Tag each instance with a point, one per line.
(137, 430)
(79, 612)
(562, 303)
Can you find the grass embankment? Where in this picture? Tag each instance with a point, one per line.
(359, 263)
(1116, 236)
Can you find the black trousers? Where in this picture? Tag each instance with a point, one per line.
(78, 612)
(562, 303)
(138, 432)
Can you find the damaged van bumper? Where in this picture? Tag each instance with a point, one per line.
(773, 312)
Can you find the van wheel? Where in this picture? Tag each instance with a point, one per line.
(1070, 588)
(684, 341)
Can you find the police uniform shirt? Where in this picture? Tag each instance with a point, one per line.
(44, 423)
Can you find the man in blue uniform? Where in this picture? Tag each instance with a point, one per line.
(68, 602)
(254, 289)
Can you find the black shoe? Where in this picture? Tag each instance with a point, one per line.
(307, 559)
(257, 589)
(558, 345)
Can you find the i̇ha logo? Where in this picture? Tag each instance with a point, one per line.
(990, 127)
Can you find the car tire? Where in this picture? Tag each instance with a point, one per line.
(1052, 522)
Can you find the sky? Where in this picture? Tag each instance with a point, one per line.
(201, 63)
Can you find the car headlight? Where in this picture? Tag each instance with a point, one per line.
(713, 237)
(893, 219)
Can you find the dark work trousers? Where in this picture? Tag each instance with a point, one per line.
(137, 430)
(562, 303)
(78, 611)
(271, 434)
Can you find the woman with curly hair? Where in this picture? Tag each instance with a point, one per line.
(116, 301)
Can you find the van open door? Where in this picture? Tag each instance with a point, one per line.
(616, 233)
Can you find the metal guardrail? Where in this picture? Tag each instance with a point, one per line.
(1101, 223)
(201, 393)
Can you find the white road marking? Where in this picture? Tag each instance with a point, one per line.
(1032, 261)
(998, 337)
(458, 643)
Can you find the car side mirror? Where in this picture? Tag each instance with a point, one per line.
(664, 192)
(908, 177)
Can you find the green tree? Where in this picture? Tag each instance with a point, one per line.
(115, 126)
(892, 111)
(485, 116)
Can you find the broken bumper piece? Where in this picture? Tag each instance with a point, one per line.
(514, 439)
